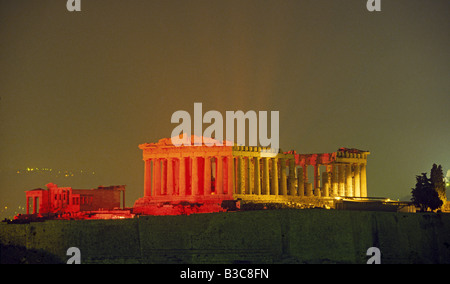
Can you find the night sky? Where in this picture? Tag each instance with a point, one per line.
(79, 91)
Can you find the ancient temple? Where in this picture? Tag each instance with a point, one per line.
(209, 174)
(212, 176)
(345, 174)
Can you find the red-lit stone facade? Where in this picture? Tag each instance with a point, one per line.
(344, 174)
(201, 176)
(65, 200)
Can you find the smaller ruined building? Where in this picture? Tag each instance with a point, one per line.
(65, 200)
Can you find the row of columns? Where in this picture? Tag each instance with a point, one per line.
(270, 177)
(35, 204)
(340, 179)
(264, 176)
(198, 176)
(185, 176)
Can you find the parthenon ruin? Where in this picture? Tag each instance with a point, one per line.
(209, 175)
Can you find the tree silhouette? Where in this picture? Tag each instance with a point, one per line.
(424, 195)
(437, 181)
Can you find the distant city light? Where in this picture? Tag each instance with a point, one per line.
(55, 172)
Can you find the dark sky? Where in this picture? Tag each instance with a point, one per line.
(82, 90)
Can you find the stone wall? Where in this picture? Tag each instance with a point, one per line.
(267, 236)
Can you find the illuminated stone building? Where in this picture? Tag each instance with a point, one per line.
(345, 173)
(212, 177)
(62, 200)
(188, 174)
(208, 175)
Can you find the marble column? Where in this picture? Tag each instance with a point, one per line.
(283, 179)
(363, 181)
(219, 175)
(237, 177)
(251, 175)
(176, 177)
(317, 192)
(305, 174)
(34, 205)
(169, 183)
(357, 181)
(69, 196)
(341, 178)
(194, 176)
(230, 161)
(163, 176)
(266, 177)
(316, 176)
(300, 182)
(241, 175)
(257, 176)
(309, 189)
(292, 191)
(182, 177)
(123, 199)
(156, 177)
(274, 176)
(325, 185)
(148, 178)
(207, 177)
(348, 180)
(334, 181)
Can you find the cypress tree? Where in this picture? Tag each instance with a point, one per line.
(424, 195)
(437, 181)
